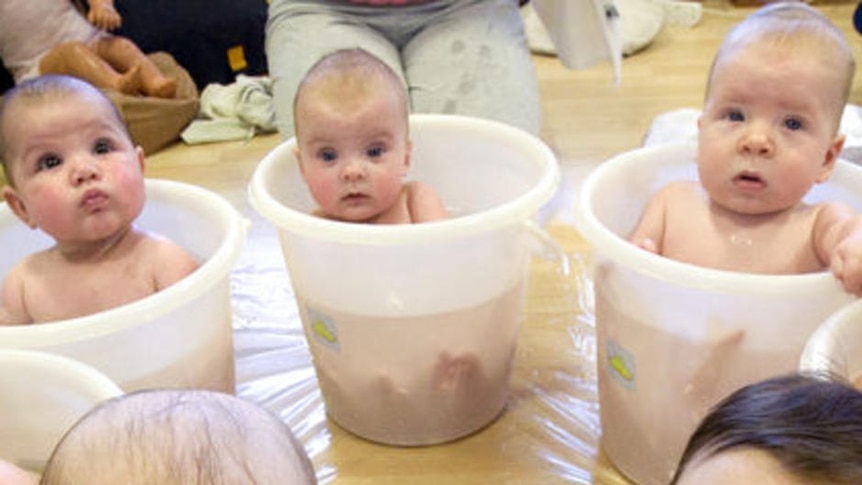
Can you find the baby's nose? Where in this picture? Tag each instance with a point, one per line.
(757, 141)
(84, 169)
(353, 170)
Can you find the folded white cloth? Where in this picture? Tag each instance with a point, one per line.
(236, 111)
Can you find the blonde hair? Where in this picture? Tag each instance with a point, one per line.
(49, 88)
(175, 437)
(792, 25)
(352, 71)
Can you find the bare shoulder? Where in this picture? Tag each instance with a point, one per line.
(13, 310)
(680, 189)
(424, 203)
(832, 211)
(171, 262)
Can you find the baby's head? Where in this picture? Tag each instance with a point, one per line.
(44, 91)
(797, 32)
(178, 437)
(346, 81)
(351, 119)
(72, 168)
(796, 429)
(774, 100)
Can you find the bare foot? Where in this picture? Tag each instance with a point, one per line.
(453, 373)
(130, 82)
(160, 87)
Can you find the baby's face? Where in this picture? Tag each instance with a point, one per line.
(353, 153)
(76, 174)
(768, 130)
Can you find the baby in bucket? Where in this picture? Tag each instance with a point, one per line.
(74, 172)
(353, 144)
(353, 150)
(768, 133)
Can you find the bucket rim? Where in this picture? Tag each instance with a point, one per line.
(209, 274)
(509, 213)
(817, 353)
(614, 247)
(98, 383)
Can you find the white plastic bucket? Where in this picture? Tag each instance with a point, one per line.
(178, 337)
(43, 396)
(413, 327)
(836, 346)
(675, 338)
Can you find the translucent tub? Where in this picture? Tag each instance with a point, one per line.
(43, 396)
(413, 327)
(178, 337)
(835, 346)
(674, 338)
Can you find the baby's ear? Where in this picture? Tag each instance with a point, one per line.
(139, 152)
(830, 158)
(298, 160)
(19, 208)
(408, 151)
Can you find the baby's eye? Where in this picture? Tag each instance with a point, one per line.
(793, 124)
(327, 155)
(48, 161)
(102, 146)
(735, 116)
(375, 152)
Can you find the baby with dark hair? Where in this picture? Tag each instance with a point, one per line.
(796, 429)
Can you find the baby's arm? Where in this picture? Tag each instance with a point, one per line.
(424, 204)
(649, 233)
(12, 475)
(103, 15)
(173, 263)
(13, 311)
(838, 242)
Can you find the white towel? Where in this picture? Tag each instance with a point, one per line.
(236, 111)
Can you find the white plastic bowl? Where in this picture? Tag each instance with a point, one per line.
(413, 327)
(674, 338)
(836, 346)
(43, 396)
(178, 337)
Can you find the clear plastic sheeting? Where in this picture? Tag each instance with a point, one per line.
(548, 433)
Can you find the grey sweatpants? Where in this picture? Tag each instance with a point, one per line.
(466, 57)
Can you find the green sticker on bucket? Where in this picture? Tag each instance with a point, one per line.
(621, 365)
(322, 328)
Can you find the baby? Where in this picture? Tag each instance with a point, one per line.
(175, 437)
(796, 429)
(768, 133)
(74, 172)
(352, 143)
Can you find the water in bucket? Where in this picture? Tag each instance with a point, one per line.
(673, 338)
(413, 327)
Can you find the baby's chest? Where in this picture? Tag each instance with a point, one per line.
(771, 248)
(65, 293)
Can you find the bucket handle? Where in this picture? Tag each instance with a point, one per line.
(549, 249)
